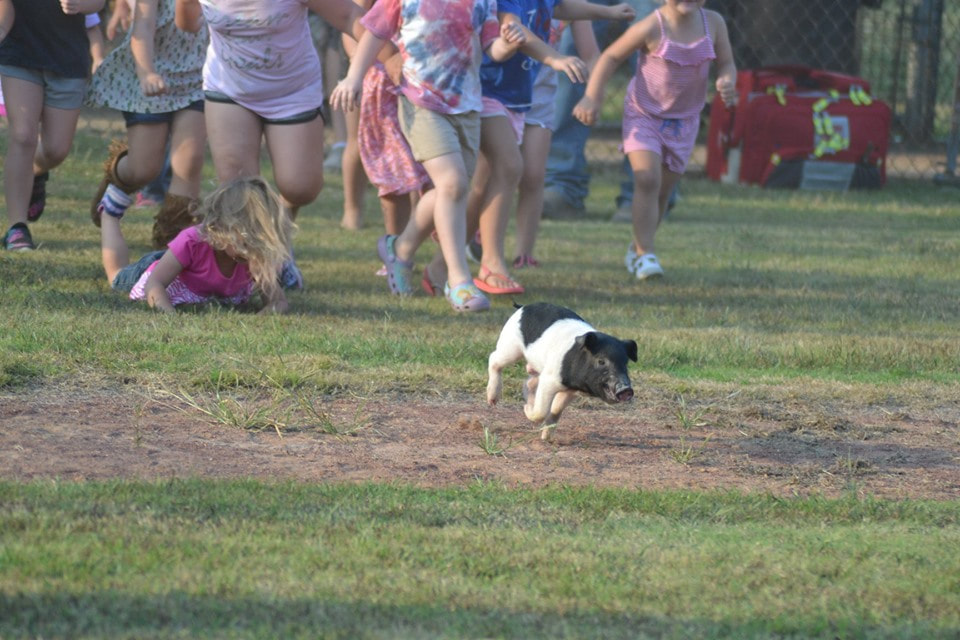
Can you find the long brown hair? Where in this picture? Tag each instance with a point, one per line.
(245, 216)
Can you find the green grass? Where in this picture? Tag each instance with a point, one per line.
(247, 559)
(762, 287)
(850, 297)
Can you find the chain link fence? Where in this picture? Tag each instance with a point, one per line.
(907, 50)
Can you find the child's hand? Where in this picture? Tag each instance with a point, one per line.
(574, 67)
(152, 84)
(727, 89)
(513, 34)
(120, 19)
(586, 111)
(622, 11)
(346, 95)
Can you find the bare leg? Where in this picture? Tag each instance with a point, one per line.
(647, 175)
(396, 212)
(187, 149)
(143, 161)
(498, 144)
(235, 134)
(293, 149)
(535, 148)
(24, 100)
(113, 247)
(57, 127)
(443, 207)
(354, 178)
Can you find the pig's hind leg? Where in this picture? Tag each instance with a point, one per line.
(504, 355)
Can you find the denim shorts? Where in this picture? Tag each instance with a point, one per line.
(132, 117)
(128, 277)
(298, 118)
(59, 92)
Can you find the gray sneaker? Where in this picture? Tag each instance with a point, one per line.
(624, 213)
(557, 207)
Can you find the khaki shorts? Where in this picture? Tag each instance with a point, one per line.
(432, 134)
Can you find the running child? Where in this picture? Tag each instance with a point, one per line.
(538, 125)
(384, 152)
(154, 77)
(661, 112)
(240, 244)
(507, 96)
(441, 43)
(263, 83)
(44, 64)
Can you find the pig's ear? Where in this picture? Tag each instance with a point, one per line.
(631, 349)
(588, 341)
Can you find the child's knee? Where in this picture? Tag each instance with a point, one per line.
(453, 186)
(22, 135)
(646, 182)
(300, 193)
(55, 152)
(507, 169)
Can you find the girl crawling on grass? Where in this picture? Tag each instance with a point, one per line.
(240, 244)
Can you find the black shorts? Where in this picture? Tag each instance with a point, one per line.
(133, 117)
(299, 118)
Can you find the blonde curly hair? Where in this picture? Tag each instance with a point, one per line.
(245, 217)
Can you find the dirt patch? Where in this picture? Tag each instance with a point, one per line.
(440, 441)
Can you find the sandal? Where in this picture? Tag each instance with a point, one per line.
(398, 271)
(466, 297)
(525, 261)
(483, 283)
(430, 286)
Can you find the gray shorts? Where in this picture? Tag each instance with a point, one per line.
(58, 92)
(541, 113)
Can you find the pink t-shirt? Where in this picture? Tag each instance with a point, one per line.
(671, 82)
(201, 279)
(262, 56)
(441, 43)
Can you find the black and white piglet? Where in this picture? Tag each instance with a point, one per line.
(564, 355)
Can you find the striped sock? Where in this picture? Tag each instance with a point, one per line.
(115, 201)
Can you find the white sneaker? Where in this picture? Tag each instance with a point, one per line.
(647, 266)
(630, 259)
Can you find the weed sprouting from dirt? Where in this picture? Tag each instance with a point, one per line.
(491, 444)
(686, 451)
(687, 420)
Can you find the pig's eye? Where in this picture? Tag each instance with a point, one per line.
(601, 362)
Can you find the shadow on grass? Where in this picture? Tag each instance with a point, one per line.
(115, 614)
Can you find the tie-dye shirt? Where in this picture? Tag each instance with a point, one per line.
(441, 43)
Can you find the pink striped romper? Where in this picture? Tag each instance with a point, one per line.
(661, 109)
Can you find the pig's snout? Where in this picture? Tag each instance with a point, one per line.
(624, 394)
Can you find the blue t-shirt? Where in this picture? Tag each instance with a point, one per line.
(511, 82)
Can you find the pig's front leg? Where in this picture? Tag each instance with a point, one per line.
(560, 402)
(538, 410)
